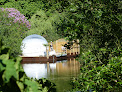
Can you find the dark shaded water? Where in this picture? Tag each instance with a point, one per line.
(59, 73)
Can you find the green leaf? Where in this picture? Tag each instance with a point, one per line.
(9, 71)
(20, 85)
(45, 89)
(32, 85)
(2, 1)
(17, 63)
(4, 56)
(1, 67)
(119, 83)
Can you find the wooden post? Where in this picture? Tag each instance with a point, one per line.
(66, 50)
(56, 47)
(73, 50)
(78, 47)
(70, 51)
(70, 61)
(47, 53)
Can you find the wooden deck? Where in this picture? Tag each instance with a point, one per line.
(51, 59)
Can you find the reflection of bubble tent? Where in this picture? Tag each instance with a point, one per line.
(33, 46)
(35, 70)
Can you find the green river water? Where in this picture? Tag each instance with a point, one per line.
(60, 72)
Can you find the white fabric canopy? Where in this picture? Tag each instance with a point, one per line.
(34, 46)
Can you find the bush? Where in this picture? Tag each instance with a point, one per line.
(100, 75)
(13, 28)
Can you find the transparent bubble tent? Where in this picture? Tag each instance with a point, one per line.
(34, 46)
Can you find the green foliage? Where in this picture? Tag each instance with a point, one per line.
(26, 7)
(43, 15)
(95, 23)
(11, 33)
(96, 75)
(44, 23)
(12, 76)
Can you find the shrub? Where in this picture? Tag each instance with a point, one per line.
(100, 75)
(13, 28)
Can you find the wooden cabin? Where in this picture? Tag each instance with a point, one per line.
(59, 47)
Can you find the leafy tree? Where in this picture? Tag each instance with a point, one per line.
(26, 7)
(95, 23)
(44, 23)
(30, 8)
(13, 28)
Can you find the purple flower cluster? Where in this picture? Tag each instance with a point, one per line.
(18, 16)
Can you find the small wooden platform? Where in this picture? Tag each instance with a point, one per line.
(51, 59)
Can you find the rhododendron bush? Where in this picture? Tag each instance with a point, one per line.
(18, 17)
(13, 28)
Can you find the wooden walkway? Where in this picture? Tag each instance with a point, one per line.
(51, 59)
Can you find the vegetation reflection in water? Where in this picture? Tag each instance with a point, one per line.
(60, 72)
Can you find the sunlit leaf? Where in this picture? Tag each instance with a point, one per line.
(20, 85)
(4, 56)
(32, 84)
(9, 71)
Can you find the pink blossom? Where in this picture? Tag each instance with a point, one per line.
(18, 16)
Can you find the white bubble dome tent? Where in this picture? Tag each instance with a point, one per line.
(34, 46)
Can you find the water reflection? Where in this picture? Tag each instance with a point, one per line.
(35, 70)
(59, 72)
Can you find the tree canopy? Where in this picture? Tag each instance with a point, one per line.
(45, 24)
